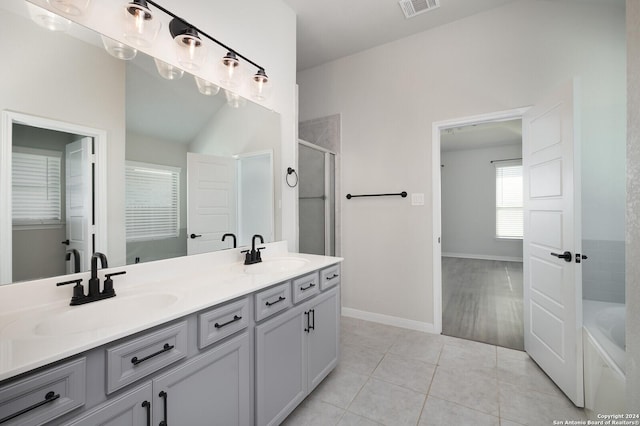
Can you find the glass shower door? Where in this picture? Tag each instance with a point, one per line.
(316, 204)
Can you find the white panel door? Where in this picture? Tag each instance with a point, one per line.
(79, 201)
(552, 285)
(211, 201)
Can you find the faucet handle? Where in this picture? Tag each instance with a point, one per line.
(107, 289)
(78, 290)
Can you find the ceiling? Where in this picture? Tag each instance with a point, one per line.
(330, 29)
(484, 135)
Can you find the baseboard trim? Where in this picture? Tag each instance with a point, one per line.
(389, 320)
(483, 257)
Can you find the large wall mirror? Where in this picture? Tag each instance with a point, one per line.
(182, 168)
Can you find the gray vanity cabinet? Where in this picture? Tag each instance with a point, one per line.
(280, 366)
(212, 388)
(130, 409)
(294, 352)
(324, 338)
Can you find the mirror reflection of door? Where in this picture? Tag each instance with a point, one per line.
(52, 192)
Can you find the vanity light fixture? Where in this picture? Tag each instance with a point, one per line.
(141, 28)
(70, 7)
(47, 19)
(230, 70)
(168, 71)
(191, 51)
(206, 87)
(260, 87)
(118, 50)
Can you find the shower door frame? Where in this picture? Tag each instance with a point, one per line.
(327, 202)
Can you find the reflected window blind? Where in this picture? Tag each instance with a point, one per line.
(509, 215)
(152, 201)
(35, 186)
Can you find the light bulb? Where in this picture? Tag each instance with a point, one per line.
(46, 19)
(117, 49)
(234, 100)
(206, 87)
(168, 71)
(141, 28)
(70, 7)
(260, 87)
(230, 70)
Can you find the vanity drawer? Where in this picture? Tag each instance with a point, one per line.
(305, 287)
(272, 300)
(141, 356)
(221, 322)
(44, 396)
(329, 277)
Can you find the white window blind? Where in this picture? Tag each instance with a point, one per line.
(509, 215)
(152, 201)
(36, 187)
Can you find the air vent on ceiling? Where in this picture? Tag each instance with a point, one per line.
(412, 8)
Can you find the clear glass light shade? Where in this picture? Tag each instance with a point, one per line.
(206, 87)
(260, 86)
(70, 7)
(234, 100)
(191, 52)
(118, 50)
(47, 19)
(141, 28)
(168, 71)
(231, 72)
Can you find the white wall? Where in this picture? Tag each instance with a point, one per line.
(389, 96)
(469, 204)
(633, 207)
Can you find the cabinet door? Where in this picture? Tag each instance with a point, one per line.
(131, 409)
(211, 389)
(280, 366)
(323, 337)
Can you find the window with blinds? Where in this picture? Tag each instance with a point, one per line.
(152, 201)
(36, 187)
(509, 214)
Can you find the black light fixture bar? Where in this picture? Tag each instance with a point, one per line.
(219, 43)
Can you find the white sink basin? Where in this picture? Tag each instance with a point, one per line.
(93, 316)
(103, 313)
(275, 265)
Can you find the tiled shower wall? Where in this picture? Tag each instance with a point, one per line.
(603, 273)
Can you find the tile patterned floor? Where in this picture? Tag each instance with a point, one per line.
(392, 376)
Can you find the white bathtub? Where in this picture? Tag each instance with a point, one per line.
(604, 357)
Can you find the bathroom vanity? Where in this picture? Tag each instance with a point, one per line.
(224, 344)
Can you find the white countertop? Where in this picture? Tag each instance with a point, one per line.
(32, 314)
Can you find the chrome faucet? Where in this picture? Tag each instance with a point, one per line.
(253, 256)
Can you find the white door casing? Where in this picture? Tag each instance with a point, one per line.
(552, 286)
(211, 202)
(79, 193)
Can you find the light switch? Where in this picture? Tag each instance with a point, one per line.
(417, 199)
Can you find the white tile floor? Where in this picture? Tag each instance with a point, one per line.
(392, 376)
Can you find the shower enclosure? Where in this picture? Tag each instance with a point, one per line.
(316, 203)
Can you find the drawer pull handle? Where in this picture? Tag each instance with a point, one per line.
(333, 276)
(165, 348)
(163, 395)
(280, 299)
(49, 397)
(312, 285)
(147, 405)
(235, 318)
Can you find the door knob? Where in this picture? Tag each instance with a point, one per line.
(193, 236)
(65, 242)
(566, 256)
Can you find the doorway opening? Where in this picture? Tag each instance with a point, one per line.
(316, 199)
(478, 285)
(54, 207)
